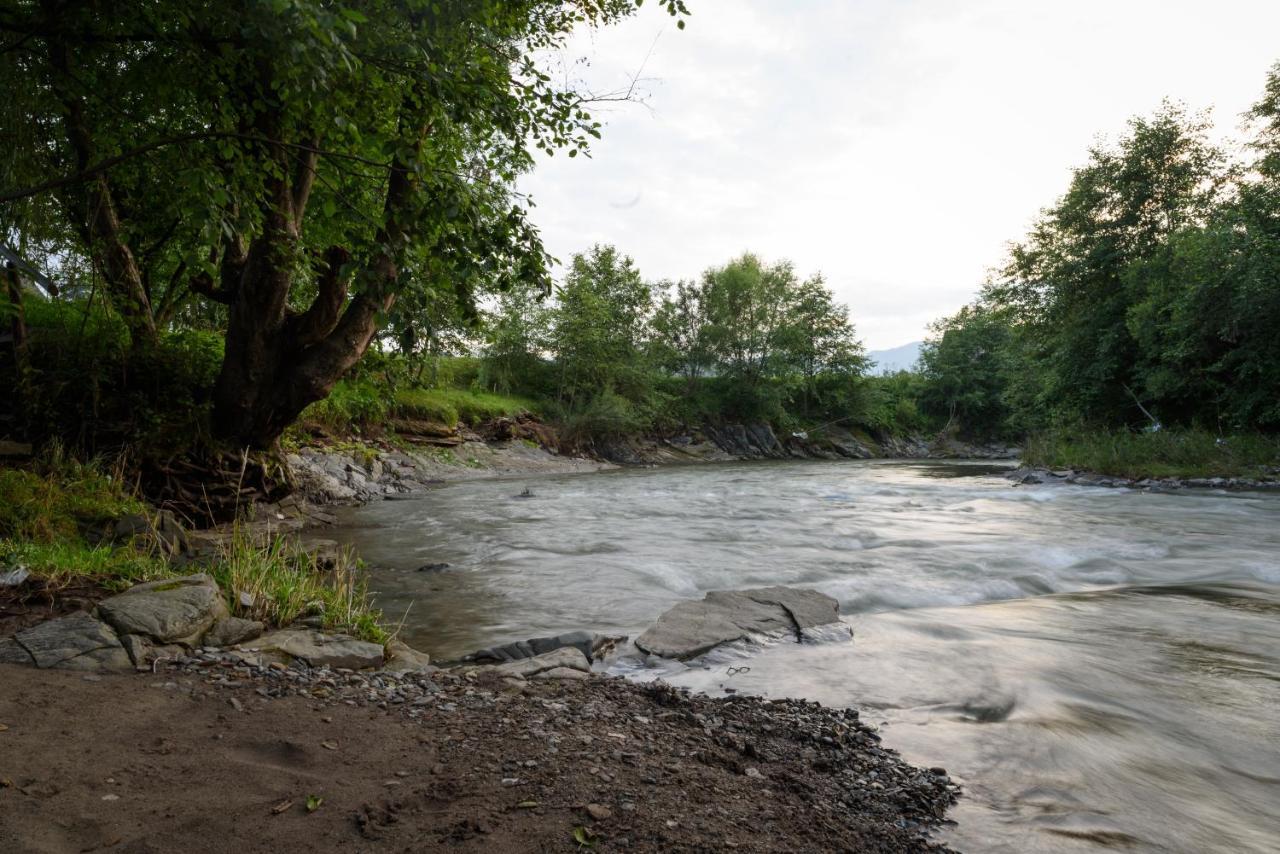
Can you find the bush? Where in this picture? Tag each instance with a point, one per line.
(90, 390)
(607, 416)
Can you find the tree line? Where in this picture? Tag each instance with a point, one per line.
(1147, 296)
(747, 341)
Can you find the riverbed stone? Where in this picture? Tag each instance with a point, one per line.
(590, 644)
(230, 631)
(75, 642)
(693, 628)
(402, 658)
(317, 649)
(565, 658)
(176, 610)
(561, 673)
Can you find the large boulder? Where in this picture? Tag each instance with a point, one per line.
(76, 642)
(317, 649)
(724, 616)
(176, 610)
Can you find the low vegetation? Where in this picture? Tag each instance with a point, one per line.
(57, 519)
(1183, 453)
(282, 583)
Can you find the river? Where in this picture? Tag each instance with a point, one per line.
(1099, 668)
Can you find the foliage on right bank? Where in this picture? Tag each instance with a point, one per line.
(1146, 298)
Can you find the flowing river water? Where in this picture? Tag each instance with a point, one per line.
(1099, 668)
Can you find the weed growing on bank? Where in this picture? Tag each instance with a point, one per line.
(278, 581)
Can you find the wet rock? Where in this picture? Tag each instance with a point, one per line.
(402, 658)
(568, 658)
(230, 631)
(76, 642)
(317, 649)
(177, 610)
(591, 645)
(433, 567)
(724, 616)
(136, 647)
(561, 673)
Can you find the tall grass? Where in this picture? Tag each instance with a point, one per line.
(283, 583)
(1168, 453)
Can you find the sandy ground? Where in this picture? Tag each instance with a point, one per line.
(172, 762)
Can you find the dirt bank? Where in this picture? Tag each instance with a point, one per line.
(221, 759)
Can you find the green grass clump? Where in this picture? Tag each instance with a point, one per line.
(1167, 453)
(285, 584)
(61, 564)
(352, 406)
(59, 500)
(451, 405)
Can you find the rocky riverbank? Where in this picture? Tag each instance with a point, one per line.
(342, 472)
(238, 758)
(307, 739)
(1034, 476)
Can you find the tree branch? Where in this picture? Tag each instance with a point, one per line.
(320, 318)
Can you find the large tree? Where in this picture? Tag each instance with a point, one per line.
(300, 163)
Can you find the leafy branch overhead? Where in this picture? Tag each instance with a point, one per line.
(294, 166)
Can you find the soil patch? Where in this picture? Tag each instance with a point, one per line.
(217, 760)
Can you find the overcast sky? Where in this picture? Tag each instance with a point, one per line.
(894, 145)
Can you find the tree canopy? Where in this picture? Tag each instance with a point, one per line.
(294, 171)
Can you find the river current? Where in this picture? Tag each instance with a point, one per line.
(1099, 668)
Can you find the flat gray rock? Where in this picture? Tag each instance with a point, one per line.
(565, 658)
(230, 631)
(170, 611)
(12, 652)
(588, 643)
(76, 642)
(725, 616)
(318, 649)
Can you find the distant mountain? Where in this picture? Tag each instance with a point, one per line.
(895, 359)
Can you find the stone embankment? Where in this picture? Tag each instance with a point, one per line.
(342, 473)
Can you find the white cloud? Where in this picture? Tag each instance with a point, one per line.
(895, 146)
